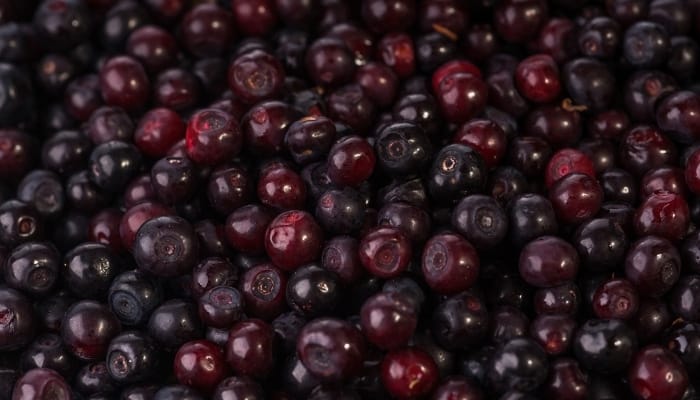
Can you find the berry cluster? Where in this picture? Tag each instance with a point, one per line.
(349, 199)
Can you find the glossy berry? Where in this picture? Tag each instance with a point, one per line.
(340, 211)
(112, 164)
(484, 136)
(21, 159)
(87, 329)
(548, 261)
(173, 179)
(264, 287)
(47, 351)
(64, 152)
(450, 264)
(385, 252)
(378, 82)
(643, 91)
(397, 51)
(250, 348)
(645, 147)
(93, 379)
(256, 76)
(663, 179)
(656, 373)
(530, 216)
(606, 346)
(519, 20)
(329, 62)
(663, 214)
(132, 357)
(133, 295)
(653, 264)
(14, 107)
(388, 320)
(565, 162)
(537, 78)
(89, 270)
(229, 188)
(212, 137)
(403, 149)
(153, 46)
(601, 244)
(589, 82)
(109, 123)
(212, 271)
(246, 226)
(408, 373)
(461, 96)
(165, 246)
(351, 161)
(481, 220)
(562, 299)
(457, 170)
(220, 306)
(292, 239)
(238, 387)
(313, 291)
(461, 321)
(340, 255)
(331, 349)
(136, 216)
(616, 298)
(281, 188)
(645, 44)
(17, 320)
(41, 382)
(124, 83)
(519, 364)
(553, 333)
(33, 268)
(207, 30)
(576, 198)
(174, 323)
(676, 114)
(200, 364)
(265, 124)
(310, 138)
(157, 131)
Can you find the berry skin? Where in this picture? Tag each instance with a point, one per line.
(331, 349)
(200, 364)
(388, 320)
(293, 239)
(124, 83)
(461, 96)
(256, 76)
(450, 264)
(250, 349)
(565, 162)
(656, 373)
(385, 252)
(351, 161)
(166, 246)
(519, 364)
(87, 329)
(18, 322)
(537, 78)
(548, 261)
(409, 373)
(576, 198)
(663, 214)
(212, 137)
(41, 383)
